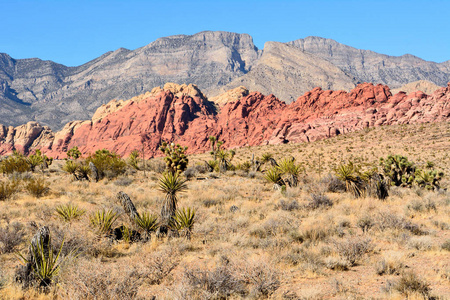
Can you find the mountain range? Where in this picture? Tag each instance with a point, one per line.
(53, 94)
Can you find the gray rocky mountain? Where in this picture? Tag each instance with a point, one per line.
(53, 94)
(369, 66)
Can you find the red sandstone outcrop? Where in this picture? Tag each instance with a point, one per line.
(183, 115)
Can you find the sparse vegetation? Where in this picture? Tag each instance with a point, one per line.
(230, 235)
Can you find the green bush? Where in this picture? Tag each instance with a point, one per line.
(108, 164)
(14, 163)
(428, 179)
(133, 159)
(8, 189)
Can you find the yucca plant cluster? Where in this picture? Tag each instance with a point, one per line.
(221, 157)
(285, 173)
(402, 172)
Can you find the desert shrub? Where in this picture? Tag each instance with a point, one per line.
(11, 236)
(161, 264)
(409, 283)
(315, 232)
(318, 201)
(389, 265)
(156, 165)
(219, 283)
(37, 187)
(365, 223)
(376, 185)
(273, 175)
(288, 206)
(336, 263)
(123, 181)
(386, 220)
(190, 172)
(421, 243)
(446, 245)
(245, 166)
(263, 278)
(69, 212)
(332, 184)
(353, 249)
(398, 169)
(93, 279)
(8, 189)
(14, 163)
(108, 164)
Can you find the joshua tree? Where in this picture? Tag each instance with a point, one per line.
(74, 153)
(176, 160)
(398, 169)
(213, 140)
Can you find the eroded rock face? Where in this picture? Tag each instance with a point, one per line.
(183, 115)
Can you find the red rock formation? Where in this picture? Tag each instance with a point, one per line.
(189, 119)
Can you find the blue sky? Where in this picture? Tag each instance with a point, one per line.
(74, 32)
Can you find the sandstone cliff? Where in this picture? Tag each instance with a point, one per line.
(182, 114)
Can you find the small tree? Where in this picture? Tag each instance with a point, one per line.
(133, 159)
(398, 169)
(176, 159)
(74, 153)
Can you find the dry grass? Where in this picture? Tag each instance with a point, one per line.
(310, 242)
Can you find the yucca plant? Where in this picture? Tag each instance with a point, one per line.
(273, 175)
(428, 179)
(103, 220)
(147, 222)
(349, 174)
(45, 264)
(171, 184)
(184, 220)
(291, 170)
(71, 167)
(266, 157)
(34, 161)
(69, 212)
(83, 171)
(133, 159)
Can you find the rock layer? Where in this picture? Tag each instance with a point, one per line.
(183, 115)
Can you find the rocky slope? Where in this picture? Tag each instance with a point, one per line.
(424, 86)
(54, 94)
(287, 72)
(182, 114)
(369, 66)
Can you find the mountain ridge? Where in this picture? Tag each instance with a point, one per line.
(54, 94)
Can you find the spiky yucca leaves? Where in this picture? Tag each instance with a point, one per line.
(349, 174)
(376, 185)
(213, 140)
(266, 157)
(8, 189)
(398, 169)
(71, 167)
(69, 212)
(133, 159)
(224, 158)
(147, 222)
(213, 165)
(273, 175)
(103, 220)
(171, 184)
(35, 160)
(290, 170)
(176, 159)
(45, 264)
(83, 171)
(183, 221)
(428, 179)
